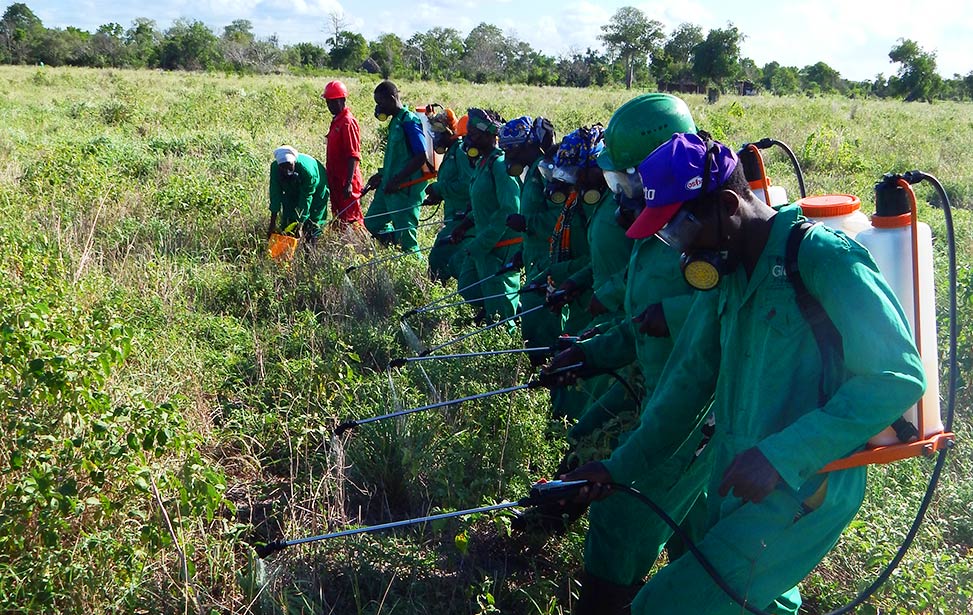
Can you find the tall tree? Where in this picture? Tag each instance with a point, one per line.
(918, 79)
(143, 40)
(485, 53)
(822, 78)
(189, 45)
(20, 32)
(674, 62)
(388, 51)
(717, 59)
(631, 37)
(348, 50)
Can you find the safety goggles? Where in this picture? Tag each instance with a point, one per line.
(627, 188)
(546, 169)
(437, 125)
(568, 175)
(681, 231)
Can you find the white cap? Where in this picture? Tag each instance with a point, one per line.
(285, 154)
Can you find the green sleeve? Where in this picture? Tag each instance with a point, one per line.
(612, 292)
(681, 398)
(612, 349)
(885, 372)
(507, 193)
(565, 269)
(450, 182)
(676, 310)
(583, 277)
(276, 194)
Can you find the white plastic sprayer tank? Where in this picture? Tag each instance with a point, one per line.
(889, 239)
(839, 211)
(778, 196)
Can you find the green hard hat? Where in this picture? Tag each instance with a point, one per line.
(641, 125)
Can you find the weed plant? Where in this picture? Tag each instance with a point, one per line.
(169, 394)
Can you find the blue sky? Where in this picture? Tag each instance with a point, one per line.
(852, 36)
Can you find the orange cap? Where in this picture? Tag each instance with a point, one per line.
(829, 205)
(461, 126)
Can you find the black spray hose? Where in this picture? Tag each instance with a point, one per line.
(628, 386)
(430, 216)
(913, 177)
(767, 142)
(533, 384)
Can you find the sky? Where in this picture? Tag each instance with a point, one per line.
(851, 36)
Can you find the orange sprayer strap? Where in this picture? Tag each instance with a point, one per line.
(892, 452)
(421, 178)
(508, 242)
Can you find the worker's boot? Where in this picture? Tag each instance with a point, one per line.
(601, 597)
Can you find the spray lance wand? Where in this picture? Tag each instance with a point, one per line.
(544, 380)
(507, 268)
(541, 493)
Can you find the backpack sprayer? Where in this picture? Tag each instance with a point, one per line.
(543, 380)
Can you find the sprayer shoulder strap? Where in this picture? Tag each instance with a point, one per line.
(826, 335)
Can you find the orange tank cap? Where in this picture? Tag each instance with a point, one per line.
(758, 184)
(829, 205)
(900, 221)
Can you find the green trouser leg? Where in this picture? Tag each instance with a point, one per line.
(540, 329)
(489, 264)
(625, 537)
(464, 269)
(377, 220)
(571, 401)
(761, 550)
(614, 403)
(404, 206)
(441, 255)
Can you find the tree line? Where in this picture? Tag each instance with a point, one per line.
(636, 50)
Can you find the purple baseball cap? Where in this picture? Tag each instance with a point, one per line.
(673, 174)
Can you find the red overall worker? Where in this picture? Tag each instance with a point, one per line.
(343, 157)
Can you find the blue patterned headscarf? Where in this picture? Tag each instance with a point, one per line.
(581, 148)
(515, 133)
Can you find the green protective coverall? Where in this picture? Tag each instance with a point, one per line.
(617, 523)
(543, 326)
(304, 201)
(453, 184)
(749, 344)
(604, 276)
(541, 216)
(398, 211)
(494, 195)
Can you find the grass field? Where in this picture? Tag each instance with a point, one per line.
(169, 395)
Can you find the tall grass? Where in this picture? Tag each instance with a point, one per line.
(169, 394)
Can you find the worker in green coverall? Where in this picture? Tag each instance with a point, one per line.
(452, 189)
(298, 194)
(654, 281)
(394, 212)
(656, 300)
(529, 146)
(781, 416)
(494, 195)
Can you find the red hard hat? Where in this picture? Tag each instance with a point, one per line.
(334, 89)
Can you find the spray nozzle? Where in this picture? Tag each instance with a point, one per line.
(343, 427)
(270, 548)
